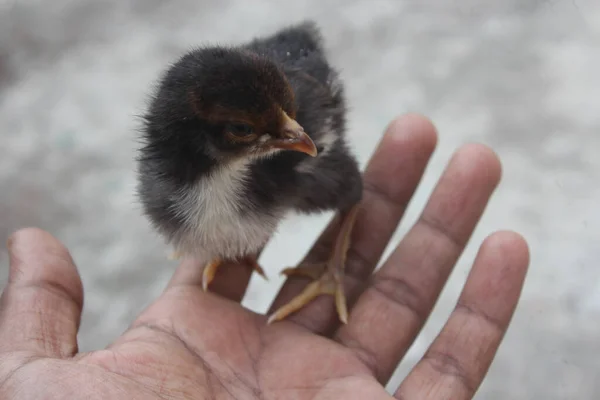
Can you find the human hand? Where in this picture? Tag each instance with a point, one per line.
(194, 345)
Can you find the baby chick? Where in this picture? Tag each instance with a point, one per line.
(236, 137)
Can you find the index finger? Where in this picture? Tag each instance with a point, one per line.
(390, 180)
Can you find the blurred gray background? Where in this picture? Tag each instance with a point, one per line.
(521, 76)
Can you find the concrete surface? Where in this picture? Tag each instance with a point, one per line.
(517, 75)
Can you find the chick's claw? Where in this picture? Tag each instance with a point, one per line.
(313, 271)
(209, 273)
(210, 270)
(330, 283)
(253, 263)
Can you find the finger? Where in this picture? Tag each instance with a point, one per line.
(390, 180)
(231, 280)
(457, 361)
(40, 308)
(392, 310)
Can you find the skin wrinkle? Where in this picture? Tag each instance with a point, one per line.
(323, 388)
(495, 324)
(48, 335)
(385, 196)
(70, 390)
(89, 360)
(46, 339)
(29, 360)
(209, 377)
(389, 211)
(398, 291)
(438, 227)
(159, 393)
(254, 361)
(53, 288)
(448, 365)
(222, 381)
(254, 389)
(52, 254)
(210, 374)
(358, 265)
(368, 358)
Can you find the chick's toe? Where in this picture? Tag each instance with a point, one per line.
(327, 278)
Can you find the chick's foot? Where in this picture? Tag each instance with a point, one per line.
(327, 278)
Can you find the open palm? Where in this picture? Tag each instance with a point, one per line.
(195, 345)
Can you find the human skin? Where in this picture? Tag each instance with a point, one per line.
(191, 344)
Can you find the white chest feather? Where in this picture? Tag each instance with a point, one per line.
(218, 223)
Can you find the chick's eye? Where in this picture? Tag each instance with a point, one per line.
(240, 130)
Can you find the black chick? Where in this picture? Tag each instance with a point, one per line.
(236, 137)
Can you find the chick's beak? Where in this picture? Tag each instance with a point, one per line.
(293, 138)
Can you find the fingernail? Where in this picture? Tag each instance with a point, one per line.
(9, 243)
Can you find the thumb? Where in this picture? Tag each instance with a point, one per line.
(40, 308)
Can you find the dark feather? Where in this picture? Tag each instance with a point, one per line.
(335, 182)
(175, 155)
